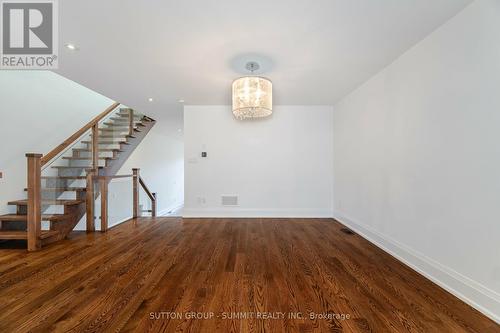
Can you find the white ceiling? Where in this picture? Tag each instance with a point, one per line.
(314, 51)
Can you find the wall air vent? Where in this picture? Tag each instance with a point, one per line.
(229, 200)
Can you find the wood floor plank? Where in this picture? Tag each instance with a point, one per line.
(155, 274)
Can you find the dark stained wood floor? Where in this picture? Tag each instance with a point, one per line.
(119, 280)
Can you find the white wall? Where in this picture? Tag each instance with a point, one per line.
(38, 110)
(277, 166)
(417, 157)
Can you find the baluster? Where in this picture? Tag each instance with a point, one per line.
(90, 201)
(153, 205)
(104, 203)
(135, 189)
(34, 214)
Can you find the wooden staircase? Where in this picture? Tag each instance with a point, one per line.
(58, 195)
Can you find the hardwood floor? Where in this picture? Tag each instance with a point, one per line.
(138, 275)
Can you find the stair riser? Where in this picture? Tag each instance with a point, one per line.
(123, 123)
(64, 183)
(120, 120)
(116, 131)
(21, 225)
(13, 225)
(52, 209)
(111, 136)
(72, 172)
(112, 131)
(66, 195)
(85, 163)
(126, 116)
(107, 146)
(89, 154)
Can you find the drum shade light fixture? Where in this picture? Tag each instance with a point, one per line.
(252, 95)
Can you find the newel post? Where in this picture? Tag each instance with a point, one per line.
(135, 191)
(34, 213)
(90, 201)
(153, 205)
(103, 185)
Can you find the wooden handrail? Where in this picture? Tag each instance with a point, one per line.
(151, 196)
(146, 189)
(135, 193)
(113, 177)
(54, 152)
(103, 182)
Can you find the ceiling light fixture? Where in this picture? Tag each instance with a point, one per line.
(252, 95)
(72, 47)
(150, 99)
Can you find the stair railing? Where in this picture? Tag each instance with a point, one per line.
(151, 195)
(36, 163)
(104, 182)
(93, 124)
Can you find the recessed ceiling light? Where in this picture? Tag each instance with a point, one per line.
(71, 46)
(181, 101)
(179, 130)
(150, 99)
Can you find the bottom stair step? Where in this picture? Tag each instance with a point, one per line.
(61, 189)
(48, 202)
(6, 234)
(23, 218)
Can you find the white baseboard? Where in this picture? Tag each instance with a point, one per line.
(165, 212)
(245, 212)
(471, 292)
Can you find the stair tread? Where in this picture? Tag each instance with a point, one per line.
(116, 128)
(48, 233)
(70, 167)
(86, 158)
(10, 234)
(63, 177)
(100, 150)
(107, 136)
(15, 234)
(45, 217)
(24, 202)
(62, 189)
(121, 118)
(123, 122)
(119, 124)
(126, 114)
(107, 142)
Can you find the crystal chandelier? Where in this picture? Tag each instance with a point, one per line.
(252, 95)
